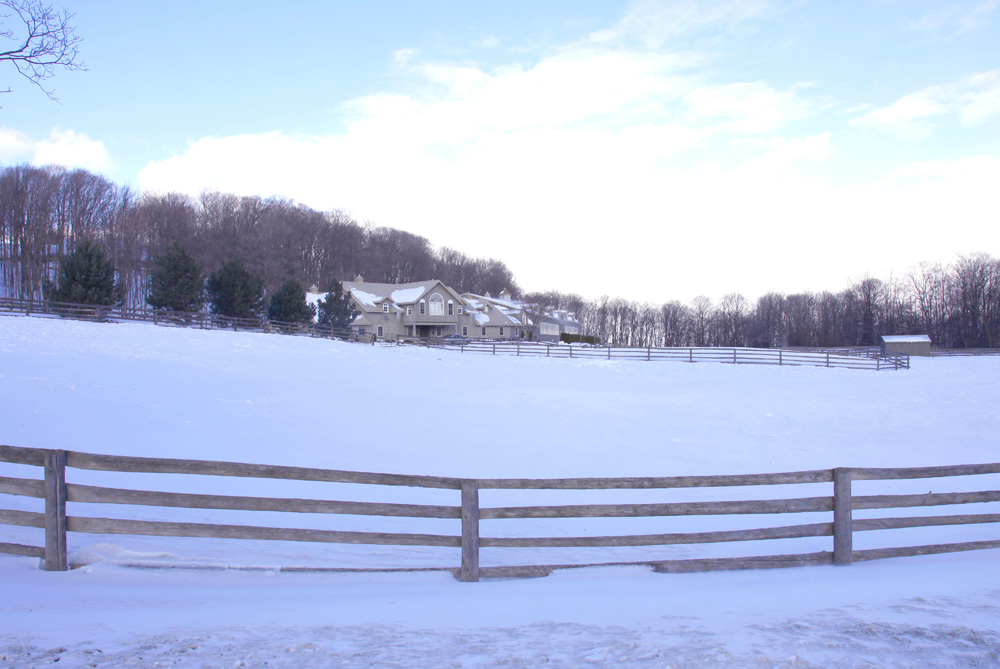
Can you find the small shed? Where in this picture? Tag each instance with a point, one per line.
(907, 344)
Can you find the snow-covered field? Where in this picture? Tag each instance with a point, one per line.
(136, 389)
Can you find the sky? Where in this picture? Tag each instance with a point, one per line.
(651, 150)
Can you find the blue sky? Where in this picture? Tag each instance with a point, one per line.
(652, 150)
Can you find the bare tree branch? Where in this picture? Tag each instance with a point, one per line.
(43, 40)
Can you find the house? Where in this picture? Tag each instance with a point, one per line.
(530, 321)
(417, 309)
(432, 309)
(496, 319)
(907, 344)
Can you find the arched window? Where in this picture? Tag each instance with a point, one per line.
(423, 307)
(437, 305)
(451, 308)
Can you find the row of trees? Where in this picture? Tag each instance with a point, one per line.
(87, 276)
(46, 212)
(958, 305)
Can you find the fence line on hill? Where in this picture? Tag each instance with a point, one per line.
(741, 356)
(58, 492)
(191, 319)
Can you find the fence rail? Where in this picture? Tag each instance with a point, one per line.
(935, 351)
(58, 492)
(739, 356)
(199, 320)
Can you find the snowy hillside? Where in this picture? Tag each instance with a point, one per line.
(137, 389)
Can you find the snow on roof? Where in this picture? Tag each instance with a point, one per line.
(405, 295)
(906, 339)
(369, 294)
(367, 299)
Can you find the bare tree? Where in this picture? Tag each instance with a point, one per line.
(42, 41)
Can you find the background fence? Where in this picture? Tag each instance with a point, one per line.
(738, 356)
(838, 503)
(199, 320)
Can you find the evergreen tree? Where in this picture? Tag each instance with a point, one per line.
(177, 281)
(86, 276)
(289, 304)
(336, 309)
(234, 291)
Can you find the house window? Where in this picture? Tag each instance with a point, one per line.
(501, 330)
(409, 310)
(460, 311)
(437, 331)
(380, 332)
(423, 308)
(465, 330)
(451, 308)
(385, 307)
(437, 305)
(484, 330)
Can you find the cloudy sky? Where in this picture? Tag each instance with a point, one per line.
(651, 150)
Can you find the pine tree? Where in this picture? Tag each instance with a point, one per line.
(177, 281)
(86, 276)
(289, 304)
(235, 292)
(336, 309)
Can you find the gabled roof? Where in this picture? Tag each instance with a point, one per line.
(369, 295)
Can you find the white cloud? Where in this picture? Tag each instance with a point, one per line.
(610, 170)
(955, 19)
(62, 147)
(653, 22)
(747, 107)
(972, 100)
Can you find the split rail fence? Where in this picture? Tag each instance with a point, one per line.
(57, 492)
(198, 320)
(736, 356)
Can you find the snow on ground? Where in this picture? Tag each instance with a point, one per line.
(137, 389)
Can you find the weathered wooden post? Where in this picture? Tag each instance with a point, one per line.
(843, 533)
(55, 511)
(469, 572)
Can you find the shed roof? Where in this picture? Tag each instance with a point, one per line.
(906, 339)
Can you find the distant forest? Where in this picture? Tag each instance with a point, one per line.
(45, 212)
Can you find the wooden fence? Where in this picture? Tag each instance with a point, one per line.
(199, 320)
(935, 351)
(738, 356)
(57, 492)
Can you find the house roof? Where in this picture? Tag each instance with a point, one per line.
(369, 295)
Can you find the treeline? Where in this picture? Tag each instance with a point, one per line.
(46, 212)
(958, 305)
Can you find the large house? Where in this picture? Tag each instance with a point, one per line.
(432, 309)
(417, 309)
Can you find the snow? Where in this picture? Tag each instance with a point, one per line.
(404, 295)
(368, 299)
(137, 389)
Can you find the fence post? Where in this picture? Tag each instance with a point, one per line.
(55, 512)
(827, 359)
(843, 534)
(734, 356)
(470, 532)
(779, 357)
